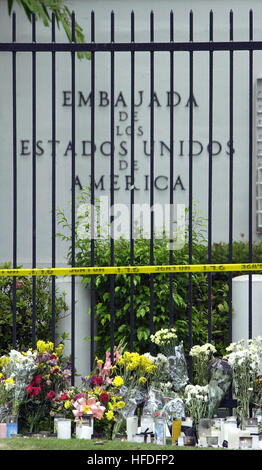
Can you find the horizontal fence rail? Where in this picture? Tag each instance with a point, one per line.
(133, 47)
(153, 48)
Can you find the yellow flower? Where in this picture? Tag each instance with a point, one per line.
(67, 404)
(4, 360)
(142, 380)
(59, 349)
(86, 409)
(118, 381)
(120, 405)
(43, 347)
(9, 380)
(109, 415)
(1, 375)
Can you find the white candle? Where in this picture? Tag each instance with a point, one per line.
(64, 428)
(147, 424)
(131, 427)
(215, 432)
(86, 431)
(202, 441)
(233, 438)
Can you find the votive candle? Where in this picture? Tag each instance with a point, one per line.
(2, 430)
(64, 428)
(131, 427)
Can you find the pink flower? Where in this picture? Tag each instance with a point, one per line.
(51, 394)
(96, 408)
(38, 379)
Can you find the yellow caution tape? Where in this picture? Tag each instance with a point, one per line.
(88, 271)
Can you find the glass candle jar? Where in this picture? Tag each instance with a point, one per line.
(2, 430)
(160, 431)
(56, 418)
(64, 428)
(212, 441)
(131, 427)
(11, 426)
(245, 442)
(229, 424)
(189, 441)
(147, 423)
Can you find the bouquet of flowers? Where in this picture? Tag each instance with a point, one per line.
(166, 341)
(245, 362)
(101, 394)
(16, 369)
(196, 401)
(203, 357)
(52, 374)
(63, 402)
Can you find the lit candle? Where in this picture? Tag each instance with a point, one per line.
(64, 428)
(245, 442)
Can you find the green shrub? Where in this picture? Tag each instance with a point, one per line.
(24, 310)
(161, 318)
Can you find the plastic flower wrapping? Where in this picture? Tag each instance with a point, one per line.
(166, 341)
(219, 383)
(17, 369)
(177, 368)
(169, 406)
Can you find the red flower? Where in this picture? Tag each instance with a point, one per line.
(33, 390)
(51, 394)
(55, 370)
(96, 380)
(38, 379)
(64, 397)
(30, 388)
(53, 356)
(104, 397)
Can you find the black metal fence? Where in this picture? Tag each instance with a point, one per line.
(209, 47)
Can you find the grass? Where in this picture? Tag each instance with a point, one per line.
(24, 443)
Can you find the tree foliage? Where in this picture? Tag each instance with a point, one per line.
(43, 9)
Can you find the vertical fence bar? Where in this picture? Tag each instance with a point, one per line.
(151, 324)
(171, 171)
(53, 180)
(132, 192)
(73, 202)
(14, 180)
(190, 209)
(210, 178)
(250, 256)
(92, 320)
(230, 222)
(33, 182)
(112, 170)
